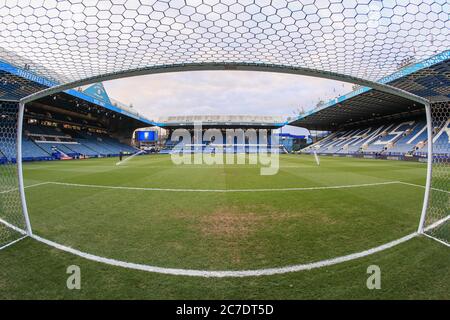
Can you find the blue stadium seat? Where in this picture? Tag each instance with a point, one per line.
(400, 138)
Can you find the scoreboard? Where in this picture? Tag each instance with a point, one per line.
(146, 136)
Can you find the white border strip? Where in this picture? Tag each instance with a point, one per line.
(221, 190)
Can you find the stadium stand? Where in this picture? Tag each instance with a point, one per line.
(363, 122)
(392, 139)
(51, 136)
(76, 123)
(220, 123)
(441, 141)
(225, 145)
(38, 145)
(369, 123)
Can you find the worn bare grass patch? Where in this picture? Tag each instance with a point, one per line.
(237, 223)
(229, 223)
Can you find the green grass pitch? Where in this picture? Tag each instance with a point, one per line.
(111, 211)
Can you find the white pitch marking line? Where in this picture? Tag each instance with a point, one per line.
(420, 186)
(223, 190)
(36, 185)
(222, 274)
(30, 186)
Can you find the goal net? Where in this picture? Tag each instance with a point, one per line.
(437, 224)
(12, 221)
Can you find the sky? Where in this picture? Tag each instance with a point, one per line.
(223, 93)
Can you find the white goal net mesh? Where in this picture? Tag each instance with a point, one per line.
(437, 222)
(68, 40)
(11, 216)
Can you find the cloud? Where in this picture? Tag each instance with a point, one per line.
(222, 92)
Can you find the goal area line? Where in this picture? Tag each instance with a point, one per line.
(226, 273)
(219, 273)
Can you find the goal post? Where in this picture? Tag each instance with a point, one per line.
(435, 221)
(13, 224)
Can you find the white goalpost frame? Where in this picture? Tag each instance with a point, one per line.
(320, 74)
(426, 199)
(434, 225)
(20, 116)
(386, 88)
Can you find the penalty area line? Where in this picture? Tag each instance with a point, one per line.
(222, 190)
